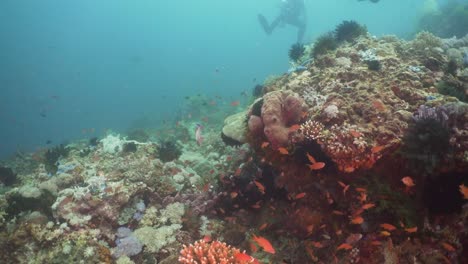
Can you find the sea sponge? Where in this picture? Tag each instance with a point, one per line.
(280, 110)
(235, 128)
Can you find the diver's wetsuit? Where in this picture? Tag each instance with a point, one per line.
(292, 13)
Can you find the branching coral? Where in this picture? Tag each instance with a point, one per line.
(210, 253)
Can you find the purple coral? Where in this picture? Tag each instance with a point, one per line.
(127, 244)
(436, 113)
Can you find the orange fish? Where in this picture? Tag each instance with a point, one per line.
(283, 151)
(377, 149)
(344, 246)
(263, 226)
(234, 195)
(385, 233)
(242, 257)
(411, 229)
(448, 247)
(408, 181)
(311, 158)
(368, 206)
(300, 195)
(349, 169)
(207, 238)
(357, 220)
(260, 187)
(388, 227)
(464, 191)
(265, 144)
(376, 243)
(294, 128)
(316, 165)
(264, 243)
(235, 103)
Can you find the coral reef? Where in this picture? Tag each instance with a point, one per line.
(211, 252)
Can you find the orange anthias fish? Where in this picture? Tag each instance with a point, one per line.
(368, 206)
(344, 246)
(235, 103)
(283, 151)
(357, 220)
(411, 229)
(464, 191)
(260, 187)
(315, 165)
(245, 257)
(408, 181)
(264, 243)
(265, 144)
(448, 247)
(300, 195)
(388, 227)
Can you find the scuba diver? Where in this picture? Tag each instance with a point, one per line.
(292, 12)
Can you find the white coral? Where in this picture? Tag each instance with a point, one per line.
(112, 144)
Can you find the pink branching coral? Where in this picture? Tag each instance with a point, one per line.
(202, 252)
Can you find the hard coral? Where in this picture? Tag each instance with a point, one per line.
(281, 110)
(210, 253)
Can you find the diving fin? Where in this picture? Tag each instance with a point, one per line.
(266, 27)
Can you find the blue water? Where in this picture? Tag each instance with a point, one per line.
(69, 65)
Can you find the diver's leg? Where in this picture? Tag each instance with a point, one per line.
(301, 27)
(268, 28)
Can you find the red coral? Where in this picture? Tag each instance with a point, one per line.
(281, 110)
(216, 252)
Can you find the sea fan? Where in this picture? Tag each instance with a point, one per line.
(349, 30)
(296, 51)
